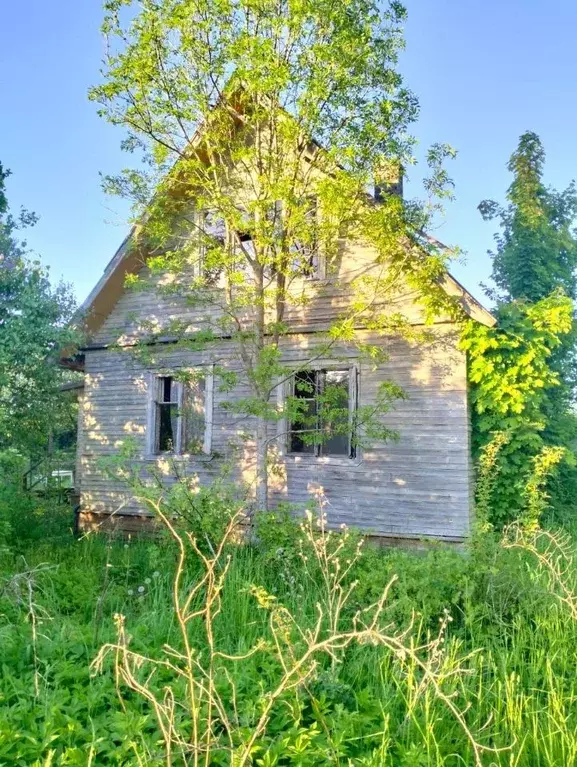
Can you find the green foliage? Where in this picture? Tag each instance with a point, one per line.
(24, 516)
(536, 249)
(523, 374)
(363, 711)
(509, 363)
(535, 490)
(511, 378)
(33, 330)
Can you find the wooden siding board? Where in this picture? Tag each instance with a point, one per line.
(419, 485)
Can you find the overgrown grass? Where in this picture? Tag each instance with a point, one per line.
(520, 691)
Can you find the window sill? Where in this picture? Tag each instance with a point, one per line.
(182, 457)
(321, 460)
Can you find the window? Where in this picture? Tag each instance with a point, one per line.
(213, 230)
(212, 235)
(181, 414)
(247, 247)
(167, 418)
(326, 401)
(306, 254)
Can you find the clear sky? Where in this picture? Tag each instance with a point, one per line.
(484, 73)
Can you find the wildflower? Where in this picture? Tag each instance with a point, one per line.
(140, 589)
(125, 545)
(147, 581)
(155, 574)
(130, 592)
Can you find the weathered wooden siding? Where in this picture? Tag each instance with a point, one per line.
(315, 303)
(418, 486)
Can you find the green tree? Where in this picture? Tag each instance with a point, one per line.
(523, 372)
(33, 329)
(537, 255)
(511, 382)
(272, 118)
(537, 247)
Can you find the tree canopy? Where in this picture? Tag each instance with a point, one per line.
(523, 371)
(537, 246)
(33, 329)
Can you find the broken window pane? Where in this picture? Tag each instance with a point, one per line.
(180, 414)
(213, 230)
(306, 256)
(167, 415)
(335, 416)
(324, 426)
(305, 425)
(247, 246)
(212, 243)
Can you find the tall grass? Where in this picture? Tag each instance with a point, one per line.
(518, 689)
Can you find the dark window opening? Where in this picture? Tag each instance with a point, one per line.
(247, 244)
(167, 415)
(304, 427)
(326, 404)
(212, 243)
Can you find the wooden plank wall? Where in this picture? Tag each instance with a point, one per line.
(314, 304)
(418, 486)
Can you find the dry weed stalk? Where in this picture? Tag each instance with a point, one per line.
(196, 709)
(21, 589)
(553, 552)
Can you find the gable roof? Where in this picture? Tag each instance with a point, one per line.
(127, 259)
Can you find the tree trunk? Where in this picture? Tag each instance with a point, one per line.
(261, 444)
(261, 465)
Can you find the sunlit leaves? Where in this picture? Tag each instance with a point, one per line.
(511, 379)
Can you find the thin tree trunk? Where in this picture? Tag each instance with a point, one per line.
(261, 443)
(261, 464)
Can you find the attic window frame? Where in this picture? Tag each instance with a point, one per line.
(152, 434)
(316, 269)
(202, 214)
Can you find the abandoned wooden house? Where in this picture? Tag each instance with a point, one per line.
(417, 486)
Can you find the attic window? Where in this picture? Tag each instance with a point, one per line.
(307, 258)
(213, 229)
(212, 235)
(181, 414)
(246, 244)
(327, 402)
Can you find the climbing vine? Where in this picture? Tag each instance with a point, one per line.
(511, 382)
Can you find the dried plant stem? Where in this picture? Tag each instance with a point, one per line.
(211, 723)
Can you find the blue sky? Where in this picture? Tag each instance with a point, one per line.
(484, 73)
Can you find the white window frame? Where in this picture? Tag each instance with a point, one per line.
(318, 266)
(154, 379)
(286, 389)
(201, 215)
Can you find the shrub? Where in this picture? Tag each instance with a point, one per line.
(26, 516)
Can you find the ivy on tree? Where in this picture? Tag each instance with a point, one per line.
(523, 371)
